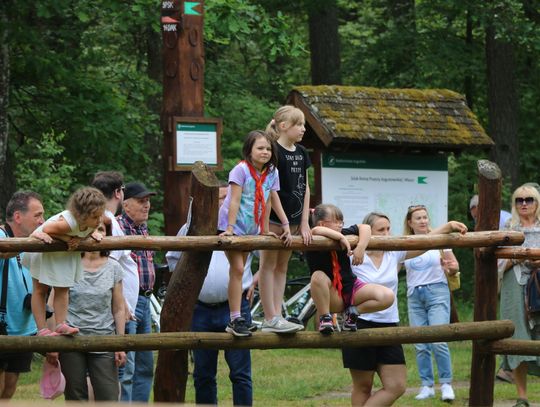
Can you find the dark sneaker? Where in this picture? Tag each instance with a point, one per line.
(238, 327)
(349, 321)
(252, 327)
(326, 324)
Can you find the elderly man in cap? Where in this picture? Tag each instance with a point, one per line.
(473, 208)
(137, 377)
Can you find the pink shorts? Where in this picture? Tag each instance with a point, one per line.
(348, 298)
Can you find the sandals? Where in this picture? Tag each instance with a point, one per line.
(46, 332)
(65, 329)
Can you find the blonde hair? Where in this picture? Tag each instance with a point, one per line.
(285, 114)
(325, 212)
(372, 217)
(407, 230)
(85, 202)
(531, 191)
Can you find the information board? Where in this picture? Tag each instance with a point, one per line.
(362, 183)
(197, 139)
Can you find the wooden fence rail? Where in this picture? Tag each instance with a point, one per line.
(205, 243)
(209, 340)
(512, 347)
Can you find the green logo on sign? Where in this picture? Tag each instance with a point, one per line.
(189, 8)
(422, 180)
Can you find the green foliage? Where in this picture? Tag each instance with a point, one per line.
(48, 172)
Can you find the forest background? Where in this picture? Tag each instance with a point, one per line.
(80, 81)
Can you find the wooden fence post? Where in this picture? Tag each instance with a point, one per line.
(185, 285)
(485, 292)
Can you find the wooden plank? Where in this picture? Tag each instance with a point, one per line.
(211, 340)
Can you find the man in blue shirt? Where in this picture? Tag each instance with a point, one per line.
(24, 213)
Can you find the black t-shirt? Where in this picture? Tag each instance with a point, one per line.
(323, 261)
(292, 167)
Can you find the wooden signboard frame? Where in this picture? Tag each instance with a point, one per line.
(197, 139)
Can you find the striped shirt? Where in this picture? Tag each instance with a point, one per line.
(143, 258)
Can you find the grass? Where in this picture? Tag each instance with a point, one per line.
(316, 377)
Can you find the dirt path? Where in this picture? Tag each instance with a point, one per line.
(414, 390)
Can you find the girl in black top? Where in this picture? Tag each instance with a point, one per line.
(334, 287)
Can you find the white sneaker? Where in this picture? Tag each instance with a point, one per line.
(279, 324)
(426, 392)
(447, 392)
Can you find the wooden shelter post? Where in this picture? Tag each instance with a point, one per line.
(485, 294)
(185, 285)
(183, 95)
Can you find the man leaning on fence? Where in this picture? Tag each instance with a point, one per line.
(24, 213)
(136, 379)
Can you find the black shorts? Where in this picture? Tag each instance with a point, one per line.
(16, 362)
(368, 358)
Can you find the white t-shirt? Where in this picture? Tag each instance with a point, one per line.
(386, 275)
(130, 282)
(216, 283)
(425, 269)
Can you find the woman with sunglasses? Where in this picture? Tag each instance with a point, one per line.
(515, 274)
(428, 302)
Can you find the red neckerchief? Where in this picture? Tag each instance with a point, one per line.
(336, 270)
(259, 195)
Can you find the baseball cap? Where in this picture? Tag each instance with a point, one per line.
(137, 190)
(53, 382)
(473, 202)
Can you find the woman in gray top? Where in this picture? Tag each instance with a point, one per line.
(96, 306)
(516, 273)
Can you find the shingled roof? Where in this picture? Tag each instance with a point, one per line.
(408, 117)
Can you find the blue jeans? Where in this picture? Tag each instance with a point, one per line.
(206, 319)
(136, 377)
(430, 305)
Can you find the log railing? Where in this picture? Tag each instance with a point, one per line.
(210, 243)
(210, 340)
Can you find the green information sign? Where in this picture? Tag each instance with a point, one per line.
(189, 8)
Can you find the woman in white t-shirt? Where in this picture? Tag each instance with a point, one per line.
(381, 267)
(428, 300)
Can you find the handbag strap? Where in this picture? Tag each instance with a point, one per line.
(5, 271)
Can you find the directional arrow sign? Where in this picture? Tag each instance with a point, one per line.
(189, 8)
(422, 180)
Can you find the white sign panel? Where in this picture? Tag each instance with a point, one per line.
(196, 142)
(363, 183)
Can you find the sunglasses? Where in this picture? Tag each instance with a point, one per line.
(528, 200)
(416, 207)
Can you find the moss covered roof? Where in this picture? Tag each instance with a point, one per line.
(434, 117)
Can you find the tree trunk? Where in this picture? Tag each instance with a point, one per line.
(469, 81)
(324, 42)
(402, 61)
(4, 105)
(185, 285)
(502, 105)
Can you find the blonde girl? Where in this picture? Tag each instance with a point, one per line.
(251, 184)
(62, 270)
(287, 128)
